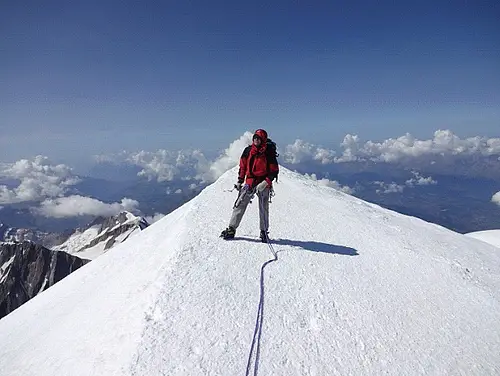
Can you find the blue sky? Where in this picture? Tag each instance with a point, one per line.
(88, 77)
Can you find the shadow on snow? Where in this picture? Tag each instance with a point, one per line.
(308, 246)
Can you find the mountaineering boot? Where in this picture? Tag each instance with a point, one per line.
(264, 238)
(228, 233)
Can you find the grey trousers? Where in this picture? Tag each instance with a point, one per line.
(238, 211)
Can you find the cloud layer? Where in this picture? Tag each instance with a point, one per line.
(388, 187)
(416, 180)
(301, 151)
(331, 183)
(38, 179)
(444, 143)
(420, 180)
(72, 206)
(496, 198)
(164, 165)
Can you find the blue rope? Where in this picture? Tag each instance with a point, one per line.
(257, 334)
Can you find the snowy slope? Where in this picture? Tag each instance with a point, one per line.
(356, 290)
(78, 240)
(490, 236)
(97, 239)
(91, 253)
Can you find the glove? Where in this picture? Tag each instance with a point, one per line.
(237, 186)
(261, 186)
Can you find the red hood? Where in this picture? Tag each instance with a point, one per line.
(262, 134)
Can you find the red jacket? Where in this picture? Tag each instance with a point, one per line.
(257, 165)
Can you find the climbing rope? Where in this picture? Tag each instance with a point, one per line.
(257, 334)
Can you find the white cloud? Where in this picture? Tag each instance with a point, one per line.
(443, 143)
(411, 183)
(302, 151)
(389, 187)
(420, 180)
(8, 196)
(351, 149)
(39, 179)
(73, 206)
(165, 165)
(407, 147)
(496, 198)
(155, 218)
(229, 158)
(331, 183)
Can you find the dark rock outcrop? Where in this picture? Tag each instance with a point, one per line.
(26, 269)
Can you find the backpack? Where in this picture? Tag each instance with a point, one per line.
(271, 148)
(271, 151)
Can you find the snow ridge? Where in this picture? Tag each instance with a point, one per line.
(489, 236)
(358, 290)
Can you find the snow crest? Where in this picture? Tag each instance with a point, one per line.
(357, 289)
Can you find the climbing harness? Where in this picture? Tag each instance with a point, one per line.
(271, 194)
(244, 191)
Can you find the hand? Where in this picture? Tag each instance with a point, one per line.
(237, 186)
(261, 186)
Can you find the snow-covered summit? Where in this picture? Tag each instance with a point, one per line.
(102, 234)
(356, 290)
(489, 236)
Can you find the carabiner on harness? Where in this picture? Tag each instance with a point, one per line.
(244, 191)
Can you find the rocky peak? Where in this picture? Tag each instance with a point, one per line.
(16, 234)
(27, 269)
(123, 218)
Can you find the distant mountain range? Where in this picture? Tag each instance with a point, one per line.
(32, 261)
